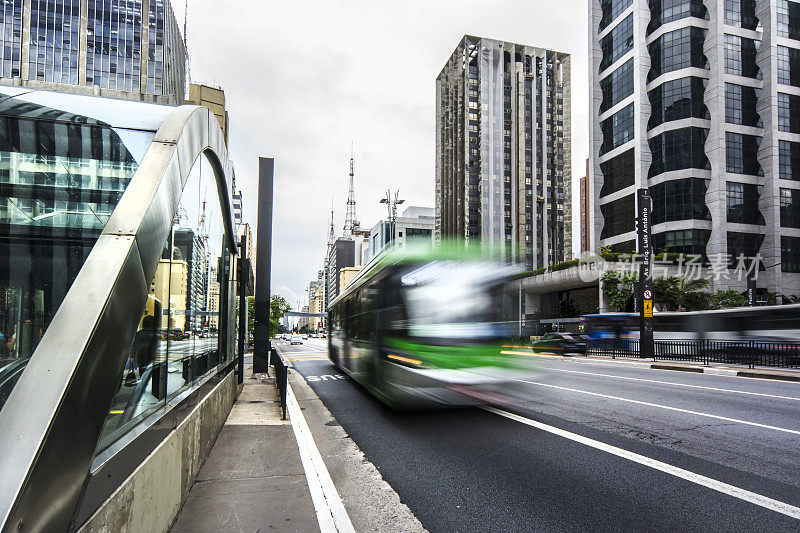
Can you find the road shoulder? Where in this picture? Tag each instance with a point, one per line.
(370, 501)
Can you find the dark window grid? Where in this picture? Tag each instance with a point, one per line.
(789, 160)
(788, 19)
(617, 129)
(681, 199)
(618, 42)
(741, 13)
(790, 208)
(788, 66)
(788, 113)
(790, 254)
(740, 105)
(617, 86)
(742, 203)
(618, 173)
(746, 244)
(664, 11)
(677, 99)
(678, 149)
(741, 154)
(688, 241)
(740, 57)
(675, 50)
(619, 216)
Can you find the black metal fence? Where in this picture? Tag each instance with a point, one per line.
(281, 377)
(750, 353)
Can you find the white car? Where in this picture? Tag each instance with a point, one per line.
(296, 339)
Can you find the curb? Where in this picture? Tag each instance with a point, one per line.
(681, 368)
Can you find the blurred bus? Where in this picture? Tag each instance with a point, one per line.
(425, 328)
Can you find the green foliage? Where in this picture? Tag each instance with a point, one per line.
(277, 308)
(727, 299)
(676, 293)
(618, 288)
(564, 265)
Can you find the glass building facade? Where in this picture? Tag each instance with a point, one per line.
(503, 150)
(697, 85)
(128, 47)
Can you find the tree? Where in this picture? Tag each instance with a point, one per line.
(277, 308)
(676, 293)
(618, 288)
(727, 299)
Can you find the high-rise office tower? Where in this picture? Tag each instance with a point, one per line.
(503, 167)
(700, 103)
(116, 48)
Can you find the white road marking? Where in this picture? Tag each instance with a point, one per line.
(677, 384)
(649, 404)
(719, 486)
(331, 514)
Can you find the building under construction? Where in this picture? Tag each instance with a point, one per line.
(503, 172)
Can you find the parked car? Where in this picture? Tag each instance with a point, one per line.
(564, 343)
(296, 339)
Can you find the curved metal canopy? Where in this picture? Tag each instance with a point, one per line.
(51, 422)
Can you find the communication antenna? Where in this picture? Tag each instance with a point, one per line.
(186, 42)
(350, 221)
(332, 232)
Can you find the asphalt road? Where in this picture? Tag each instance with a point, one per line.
(564, 450)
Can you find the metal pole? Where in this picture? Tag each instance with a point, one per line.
(646, 348)
(242, 274)
(261, 350)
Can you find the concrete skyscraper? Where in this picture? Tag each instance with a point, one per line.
(115, 48)
(503, 157)
(700, 103)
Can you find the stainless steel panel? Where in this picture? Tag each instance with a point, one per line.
(52, 420)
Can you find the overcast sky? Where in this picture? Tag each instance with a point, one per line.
(303, 79)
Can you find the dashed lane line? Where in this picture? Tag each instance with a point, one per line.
(667, 407)
(719, 486)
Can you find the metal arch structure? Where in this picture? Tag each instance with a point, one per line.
(53, 418)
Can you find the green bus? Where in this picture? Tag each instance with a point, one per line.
(423, 328)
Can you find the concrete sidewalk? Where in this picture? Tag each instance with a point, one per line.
(783, 374)
(253, 479)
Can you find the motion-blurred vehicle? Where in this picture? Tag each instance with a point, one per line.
(422, 328)
(563, 343)
(296, 339)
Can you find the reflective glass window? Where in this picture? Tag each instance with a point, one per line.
(663, 11)
(617, 129)
(676, 50)
(677, 99)
(617, 86)
(114, 44)
(678, 149)
(184, 329)
(686, 241)
(54, 40)
(611, 10)
(10, 38)
(741, 13)
(741, 154)
(788, 113)
(61, 176)
(790, 208)
(740, 56)
(789, 66)
(681, 199)
(742, 203)
(788, 18)
(746, 244)
(617, 43)
(740, 105)
(618, 172)
(789, 160)
(790, 254)
(619, 216)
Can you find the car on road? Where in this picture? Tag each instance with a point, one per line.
(304, 336)
(566, 343)
(296, 339)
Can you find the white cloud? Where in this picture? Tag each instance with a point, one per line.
(303, 79)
